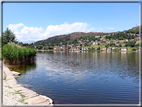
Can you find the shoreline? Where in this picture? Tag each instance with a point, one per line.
(83, 51)
(15, 94)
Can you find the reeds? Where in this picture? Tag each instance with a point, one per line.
(13, 54)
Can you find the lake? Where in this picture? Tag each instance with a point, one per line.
(83, 77)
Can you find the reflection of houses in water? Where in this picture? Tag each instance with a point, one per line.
(95, 59)
(124, 57)
(103, 55)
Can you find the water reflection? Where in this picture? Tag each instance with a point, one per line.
(23, 68)
(85, 77)
(93, 62)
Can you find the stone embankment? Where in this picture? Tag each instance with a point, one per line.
(15, 94)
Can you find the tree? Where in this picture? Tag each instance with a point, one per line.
(8, 36)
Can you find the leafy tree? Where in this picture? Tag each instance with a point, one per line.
(98, 48)
(8, 36)
(120, 45)
(107, 45)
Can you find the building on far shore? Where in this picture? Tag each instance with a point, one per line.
(66, 47)
(108, 49)
(113, 48)
(56, 48)
(126, 40)
(83, 48)
(103, 42)
(104, 48)
(123, 49)
(95, 48)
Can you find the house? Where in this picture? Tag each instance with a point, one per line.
(132, 40)
(83, 43)
(113, 48)
(104, 48)
(95, 43)
(107, 42)
(77, 47)
(126, 40)
(108, 49)
(103, 42)
(83, 48)
(115, 41)
(66, 47)
(123, 49)
(56, 48)
(99, 42)
(116, 44)
(60, 43)
(137, 38)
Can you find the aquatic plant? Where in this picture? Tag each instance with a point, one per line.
(14, 54)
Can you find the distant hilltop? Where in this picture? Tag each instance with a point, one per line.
(68, 38)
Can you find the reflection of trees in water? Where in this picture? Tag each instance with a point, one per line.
(121, 64)
(23, 68)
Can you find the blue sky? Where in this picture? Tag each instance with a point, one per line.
(36, 21)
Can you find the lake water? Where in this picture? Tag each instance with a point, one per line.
(83, 77)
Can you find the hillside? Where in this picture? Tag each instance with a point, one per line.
(67, 38)
(70, 38)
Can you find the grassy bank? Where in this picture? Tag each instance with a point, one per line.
(13, 54)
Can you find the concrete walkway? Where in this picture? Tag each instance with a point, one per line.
(15, 94)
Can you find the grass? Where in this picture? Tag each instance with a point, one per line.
(131, 48)
(23, 96)
(103, 38)
(4, 76)
(9, 87)
(17, 92)
(101, 46)
(14, 53)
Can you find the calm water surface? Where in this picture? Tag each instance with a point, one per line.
(83, 77)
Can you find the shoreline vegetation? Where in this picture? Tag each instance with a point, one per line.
(13, 54)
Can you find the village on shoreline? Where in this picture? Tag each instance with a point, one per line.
(102, 45)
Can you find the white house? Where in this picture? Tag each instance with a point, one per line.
(123, 49)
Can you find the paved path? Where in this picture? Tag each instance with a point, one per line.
(15, 94)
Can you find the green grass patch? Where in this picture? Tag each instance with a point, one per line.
(101, 46)
(4, 76)
(131, 48)
(23, 96)
(17, 92)
(9, 87)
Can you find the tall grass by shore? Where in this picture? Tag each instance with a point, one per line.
(14, 54)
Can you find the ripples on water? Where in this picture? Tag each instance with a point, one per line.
(84, 77)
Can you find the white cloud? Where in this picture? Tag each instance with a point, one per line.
(14, 27)
(52, 30)
(24, 33)
(110, 28)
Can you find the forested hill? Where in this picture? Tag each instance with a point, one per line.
(72, 37)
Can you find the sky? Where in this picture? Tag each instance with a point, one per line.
(31, 22)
